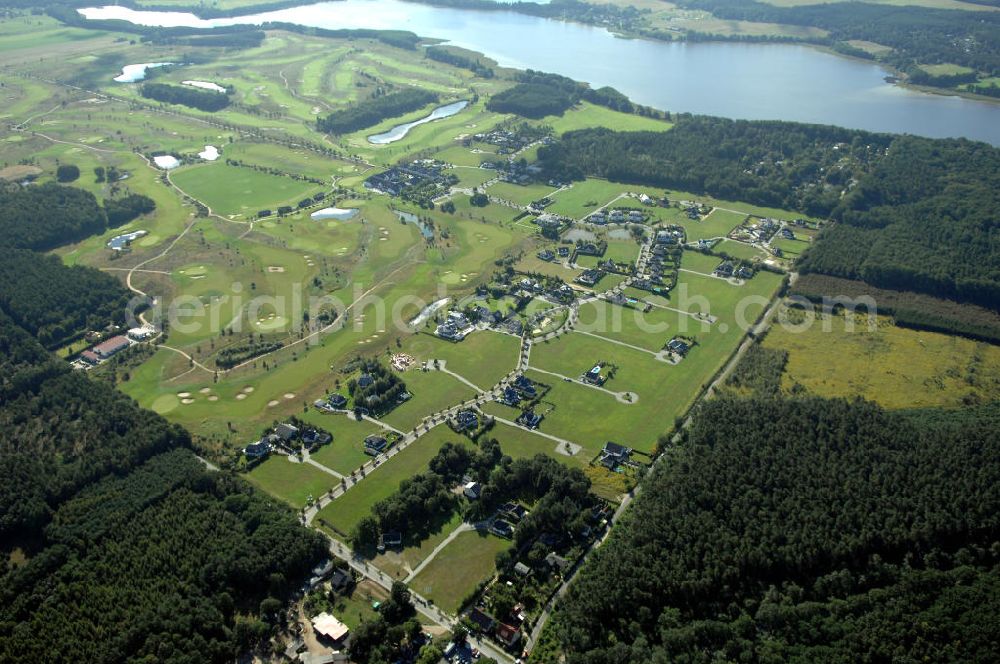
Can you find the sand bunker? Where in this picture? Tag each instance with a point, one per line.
(248, 389)
(205, 390)
(213, 398)
(187, 401)
(272, 403)
(241, 397)
(289, 395)
(275, 268)
(183, 395)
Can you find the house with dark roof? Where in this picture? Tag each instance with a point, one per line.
(375, 444)
(725, 269)
(525, 387)
(257, 450)
(316, 437)
(483, 621)
(563, 251)
(614, 455)
(465, 420)
(589, 277)
(286, 432)
(679, 346)
(338, 401)
(529, 419)
(593, 376)
(390, 539)
(341, 581)
(510, 397)
(546, 255)
(365, 380)
(557, 562)
(501, 528)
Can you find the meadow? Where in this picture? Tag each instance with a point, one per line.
(459, 568)
(893, 366)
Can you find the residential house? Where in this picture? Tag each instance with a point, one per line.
(529, 419)
(645, 199)
(286, 432)
(525, 387)
(315, 437)
(326, 625)
(483, 621)
(521, 569)
(510, 397)
(614, 455)
(341, 581)
(563, 252)
(546, 255)
(472, 490)
(589, 277)
(636, 216)
(508, 635)
(679, 346)
(466, 419)
(725, 269)
(744, 272)
(365, 380)
(391, 539)
(501, 528)
(557, 562)
(338, 401)
(594, 376)
(90, 357)
(513, 512)
(258, 450)
(375, 444)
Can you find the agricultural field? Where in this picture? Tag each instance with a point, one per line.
(835, 356)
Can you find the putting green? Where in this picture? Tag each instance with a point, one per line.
(165, 403)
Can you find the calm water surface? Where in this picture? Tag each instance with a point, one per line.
(752, 81)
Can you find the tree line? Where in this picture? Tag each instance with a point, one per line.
(372, 111)
(538, 94)
(203, 100)
(131, 550)
(42, 217)
(57, 302)
(803, 530)
(448, 56)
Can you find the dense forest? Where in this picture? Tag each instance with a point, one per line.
(372, 111)
(924, 219)
(803, 530)
(780, 164)
(917, 34)
(203, 100)
(56, 302)
(48, 215)
(132, 551)
(42, 217)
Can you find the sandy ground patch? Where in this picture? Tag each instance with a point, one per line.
(241, 396)
(275, 268)
(289, 395)
(187, 401)
(183, 395)
(272, 403)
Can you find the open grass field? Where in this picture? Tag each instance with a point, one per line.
(398, 564)
(347, 451)
(345, 512)
(459, 568)
(292, 482)
(934, 4)
(717, 224)
(585, 115)
(519, 194)
(482, 358)
(432, 391)
(893, 366)
(743, 250)
(231, 190)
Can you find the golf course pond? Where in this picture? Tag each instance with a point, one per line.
(401, 130)
(340, 214)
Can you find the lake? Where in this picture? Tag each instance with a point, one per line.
(751, 81)
(401, 130)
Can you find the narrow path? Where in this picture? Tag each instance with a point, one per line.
(620, 396)
(658, 355)
(462, 528)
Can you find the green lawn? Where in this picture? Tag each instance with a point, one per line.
(483, 357)
(432, 391)
(231, 190)
(399, 564)
(291, 482)
(717, 224)
(519, 194)
(739, 250)
(345, 512)
(458, 569)
(346, 452)
(586, 115)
